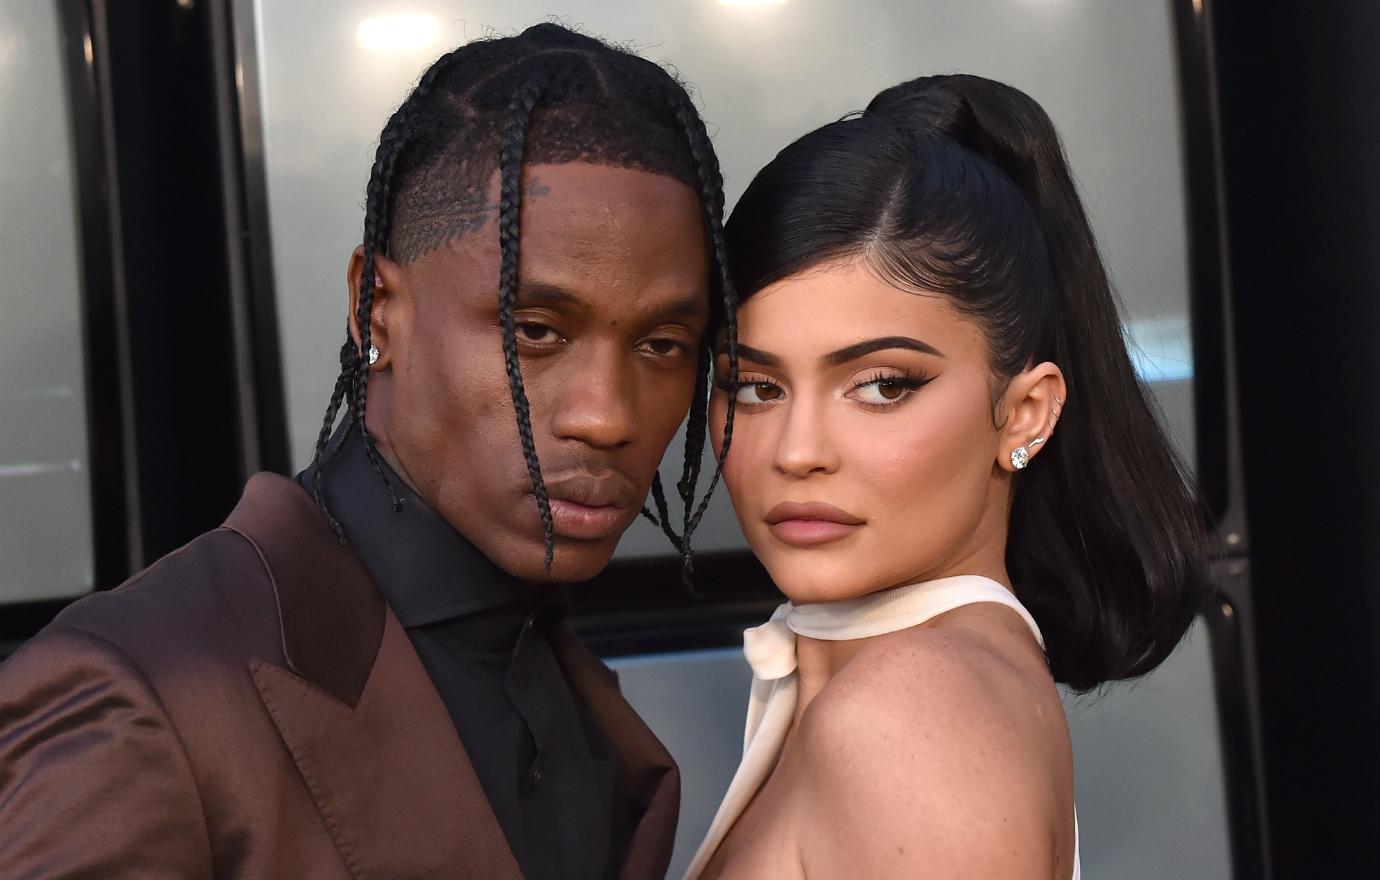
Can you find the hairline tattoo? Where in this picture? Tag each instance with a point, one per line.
(446, 217)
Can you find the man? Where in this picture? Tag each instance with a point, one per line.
(363, 673)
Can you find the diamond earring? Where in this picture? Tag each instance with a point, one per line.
(373, 355)
(1020, 457)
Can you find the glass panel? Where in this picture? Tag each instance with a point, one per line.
(765, 71)
(45, 498)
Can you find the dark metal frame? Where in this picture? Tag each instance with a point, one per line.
(1230, 615)
(263, 408)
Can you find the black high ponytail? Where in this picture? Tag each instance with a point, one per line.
(959, 185)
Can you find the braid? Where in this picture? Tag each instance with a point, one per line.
(509, 228)
(712, 199)
(375, 240)
(694, 436)
(664, 520)
(342, 381)
(354, 366)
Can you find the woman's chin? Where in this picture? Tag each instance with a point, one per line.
(808, 582)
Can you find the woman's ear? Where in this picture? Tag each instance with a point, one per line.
(387, 280)
(1033, 402)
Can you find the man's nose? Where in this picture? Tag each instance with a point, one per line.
(595, 400)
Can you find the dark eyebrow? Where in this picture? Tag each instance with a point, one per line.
(755, 355)
(541, 293)
(685, 308)
(544, 293)
(857, 350)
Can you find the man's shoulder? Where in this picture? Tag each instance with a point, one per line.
(221, 582)
(214, 594)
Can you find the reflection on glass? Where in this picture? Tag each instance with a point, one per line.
(45, 505)
(391, 33)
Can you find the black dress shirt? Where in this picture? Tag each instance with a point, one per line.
(484, 638)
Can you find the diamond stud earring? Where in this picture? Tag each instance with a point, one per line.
(1020, 457)
(373, 355)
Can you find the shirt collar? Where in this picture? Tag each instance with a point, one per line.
(426, 570)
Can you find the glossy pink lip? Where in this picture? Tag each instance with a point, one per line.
(810, 524)
(590, 507)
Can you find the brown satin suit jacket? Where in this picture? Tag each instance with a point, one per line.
(249, 707)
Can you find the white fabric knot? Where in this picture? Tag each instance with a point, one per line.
(770, 648)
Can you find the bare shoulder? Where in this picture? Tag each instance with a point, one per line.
(941, 748)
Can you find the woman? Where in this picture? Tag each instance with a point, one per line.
(940, 452)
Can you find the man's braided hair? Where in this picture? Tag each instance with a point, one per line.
(548, 95)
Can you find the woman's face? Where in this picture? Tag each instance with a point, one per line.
(876, 402)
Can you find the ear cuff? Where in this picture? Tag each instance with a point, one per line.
(1020, 456)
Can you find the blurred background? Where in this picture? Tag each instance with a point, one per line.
(182, 182)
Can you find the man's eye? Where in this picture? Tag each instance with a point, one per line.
(534, 332)
(663, 347)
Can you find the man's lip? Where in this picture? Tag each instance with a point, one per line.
(810, 510)
(592, 490)
(571, 520)
(588, 506)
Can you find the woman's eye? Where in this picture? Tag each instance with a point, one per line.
(759, 392)
(537, 333)
(886, 390)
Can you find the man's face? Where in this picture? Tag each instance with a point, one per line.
(611, 309)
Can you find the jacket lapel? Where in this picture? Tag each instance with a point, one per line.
(357, 711)
(646, 771)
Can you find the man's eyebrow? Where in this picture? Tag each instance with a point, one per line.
(544, 293)
(882, 343)
(689, 307)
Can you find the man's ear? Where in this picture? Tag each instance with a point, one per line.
(1033, 402)
(387, 279)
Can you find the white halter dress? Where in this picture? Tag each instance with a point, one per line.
(770, 651)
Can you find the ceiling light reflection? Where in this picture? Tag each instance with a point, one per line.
(397, 33)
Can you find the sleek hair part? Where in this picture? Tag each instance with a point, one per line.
(958, 185)
(547, 95)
